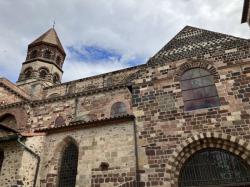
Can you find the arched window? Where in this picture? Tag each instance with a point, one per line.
(109, 81)
(198, 89)
(9, 120)
(43, 72)
(58, 61)
(56, 78)
(47, 54)
(214, 167)
(1, 159)
(118, 109)
(68, 167)
(59, 122)
(33, 54)
(27, 73)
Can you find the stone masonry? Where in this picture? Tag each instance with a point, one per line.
(150, 138)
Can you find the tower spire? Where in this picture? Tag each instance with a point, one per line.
(44, 61)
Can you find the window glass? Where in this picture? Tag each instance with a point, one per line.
(198, 89)
(68, 167)
(118, 109)
(214, 167)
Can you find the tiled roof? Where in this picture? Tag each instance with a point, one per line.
(49, 37)
(7, 133)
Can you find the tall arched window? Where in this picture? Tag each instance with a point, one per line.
(198, 89)
(43, 72)
(118, 109)
(214, 167)
(68, 167)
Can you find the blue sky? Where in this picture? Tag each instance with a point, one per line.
(101, 36)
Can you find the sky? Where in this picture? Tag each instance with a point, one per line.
(105, 35)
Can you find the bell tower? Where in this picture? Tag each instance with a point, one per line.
(44, 61)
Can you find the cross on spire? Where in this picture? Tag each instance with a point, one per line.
(54, 24)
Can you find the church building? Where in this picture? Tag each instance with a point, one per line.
(182, 119)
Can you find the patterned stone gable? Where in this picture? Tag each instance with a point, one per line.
(202, 44)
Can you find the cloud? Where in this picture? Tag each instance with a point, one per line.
(108, 34)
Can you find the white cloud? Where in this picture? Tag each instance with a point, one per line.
(132, 27)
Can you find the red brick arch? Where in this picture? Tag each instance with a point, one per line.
(202, 141)
(190, 64)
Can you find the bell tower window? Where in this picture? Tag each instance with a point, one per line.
(33, 54)
(56, 78)
(58, 61)
(28, 73)
(47, 54)
(43, 73)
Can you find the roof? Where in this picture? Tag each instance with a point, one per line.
(245, 12)
(88, 124)
(49, 37)
(192, 42)
(13, 88)
(7, 133)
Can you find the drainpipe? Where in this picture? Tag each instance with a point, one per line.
(34, 154)
(136, 155)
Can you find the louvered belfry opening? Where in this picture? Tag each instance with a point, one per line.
(68, 167)
(214, 168)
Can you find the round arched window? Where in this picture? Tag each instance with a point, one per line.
(214, 167)
(56, 78)
(118, 109)
(28, 73)
(43, 73)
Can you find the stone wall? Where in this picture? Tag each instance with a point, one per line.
(163, 125)
(10, 171)
(92, 83)
(88, 108)
(112, 143)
